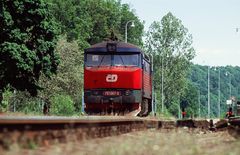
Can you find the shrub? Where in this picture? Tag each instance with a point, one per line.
(4, 106)
(61, 105)
(23, 102)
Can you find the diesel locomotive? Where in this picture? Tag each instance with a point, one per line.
(117, 80)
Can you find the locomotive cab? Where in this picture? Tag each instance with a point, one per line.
(114, 80)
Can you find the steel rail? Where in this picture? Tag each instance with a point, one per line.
(234, 126)
(42, 131)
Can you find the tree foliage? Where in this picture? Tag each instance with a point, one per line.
(69, 79)
(171, 46)
(61, 105)
(27, 42)
(199, 79)
(189, 100)
(91, 21)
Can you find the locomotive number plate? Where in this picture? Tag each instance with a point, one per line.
(111, 93)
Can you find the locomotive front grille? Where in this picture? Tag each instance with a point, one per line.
(115, 96)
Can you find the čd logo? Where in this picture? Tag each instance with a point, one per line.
(111, 78)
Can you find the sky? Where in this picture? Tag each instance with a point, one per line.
(212, 24)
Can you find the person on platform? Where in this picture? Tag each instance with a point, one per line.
(183, 113)
(229, 113)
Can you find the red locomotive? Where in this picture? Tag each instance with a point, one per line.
(117, 80)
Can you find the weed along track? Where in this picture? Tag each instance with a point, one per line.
(28, 132)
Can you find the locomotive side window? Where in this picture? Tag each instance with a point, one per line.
(146, 66)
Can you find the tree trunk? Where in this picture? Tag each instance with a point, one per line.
(1, 98)
(46, 107)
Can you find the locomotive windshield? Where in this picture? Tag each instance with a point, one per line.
(112, 60)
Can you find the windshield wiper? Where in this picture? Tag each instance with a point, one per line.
(101, 61)
(123, 64)
(122, 60)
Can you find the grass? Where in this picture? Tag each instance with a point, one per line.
(174, 142)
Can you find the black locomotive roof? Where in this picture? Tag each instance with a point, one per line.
(121, 47)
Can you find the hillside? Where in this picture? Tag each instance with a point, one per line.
(229, 83)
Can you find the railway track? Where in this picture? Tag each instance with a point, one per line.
(234, 127)
(44, 131)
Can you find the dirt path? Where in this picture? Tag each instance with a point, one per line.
(181, 142)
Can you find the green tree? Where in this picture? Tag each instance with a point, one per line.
(27, 42)
(61, 105)
(199, 78)
(69, 79)
(171, 46)
(135, 33)
(73, 18)
(189, 100)
(92, 21)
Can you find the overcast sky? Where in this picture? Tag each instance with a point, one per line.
(211, 22)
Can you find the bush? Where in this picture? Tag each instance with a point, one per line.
(4, 106)
(24, 102)
(31, 106)
(61, 105)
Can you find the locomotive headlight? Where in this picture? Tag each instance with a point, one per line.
(127, 92)
(95, 92)
(111, 47)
